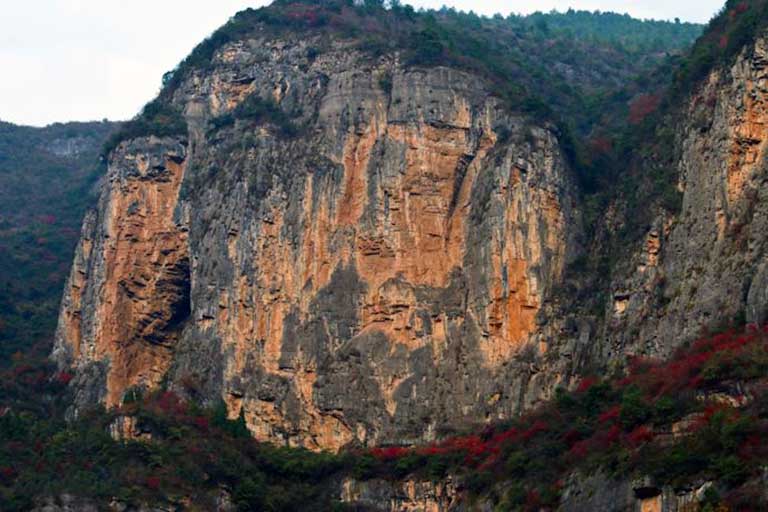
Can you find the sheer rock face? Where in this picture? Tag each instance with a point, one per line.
(708, 265)
(128, 292)
(392, 268)
(580, 493)
(367, 280)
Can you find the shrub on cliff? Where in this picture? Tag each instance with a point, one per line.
(257, 110)
(157, 118)
(621, 426)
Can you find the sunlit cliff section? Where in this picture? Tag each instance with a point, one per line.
(360, 270)
(349, 250)
(350, 224)
(128, 293)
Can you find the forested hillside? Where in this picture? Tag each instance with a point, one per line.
(695, 424)
(47, 180)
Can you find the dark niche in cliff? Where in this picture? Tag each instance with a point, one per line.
(176, 286)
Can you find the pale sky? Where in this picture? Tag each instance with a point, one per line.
(80, 60)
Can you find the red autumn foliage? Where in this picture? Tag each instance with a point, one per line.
(585, 384)
(532, 500)
(201, 422)
(431, 450)
(753, 448)
(611, 414)
(480, 450)
(642, 106)
(64, 378)
(604, 439)
(579, 450)
(22, 369)
(612, 435)
(152, 482)
(7, 473)
(640, 435)
(684, 371)
(170, 403)
(572, 437)
(389, 452)
(722, 43)
(601, 145)
(537, 427)
(505, 436)
(304, 14)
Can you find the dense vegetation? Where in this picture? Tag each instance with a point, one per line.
(194, 453)
(47, 176)
(157, 118)
(702, 416)
(621, 30)
(699, 417)
(558, 66)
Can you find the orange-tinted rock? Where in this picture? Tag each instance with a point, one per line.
(408, 495)
(705, 267)
(134, 268)
(367, 280)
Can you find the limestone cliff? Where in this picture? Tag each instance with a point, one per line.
(407, 496)
(367, 280)
(708, 265)
(128, 292)
(352, 249)
(592, 493)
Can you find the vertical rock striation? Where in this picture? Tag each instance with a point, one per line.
(128, 292)
(707, 266)
(373, 252)
(368, 280)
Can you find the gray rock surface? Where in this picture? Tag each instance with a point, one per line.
(391, 267)
(372, 278)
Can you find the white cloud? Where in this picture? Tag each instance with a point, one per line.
(88, 59)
